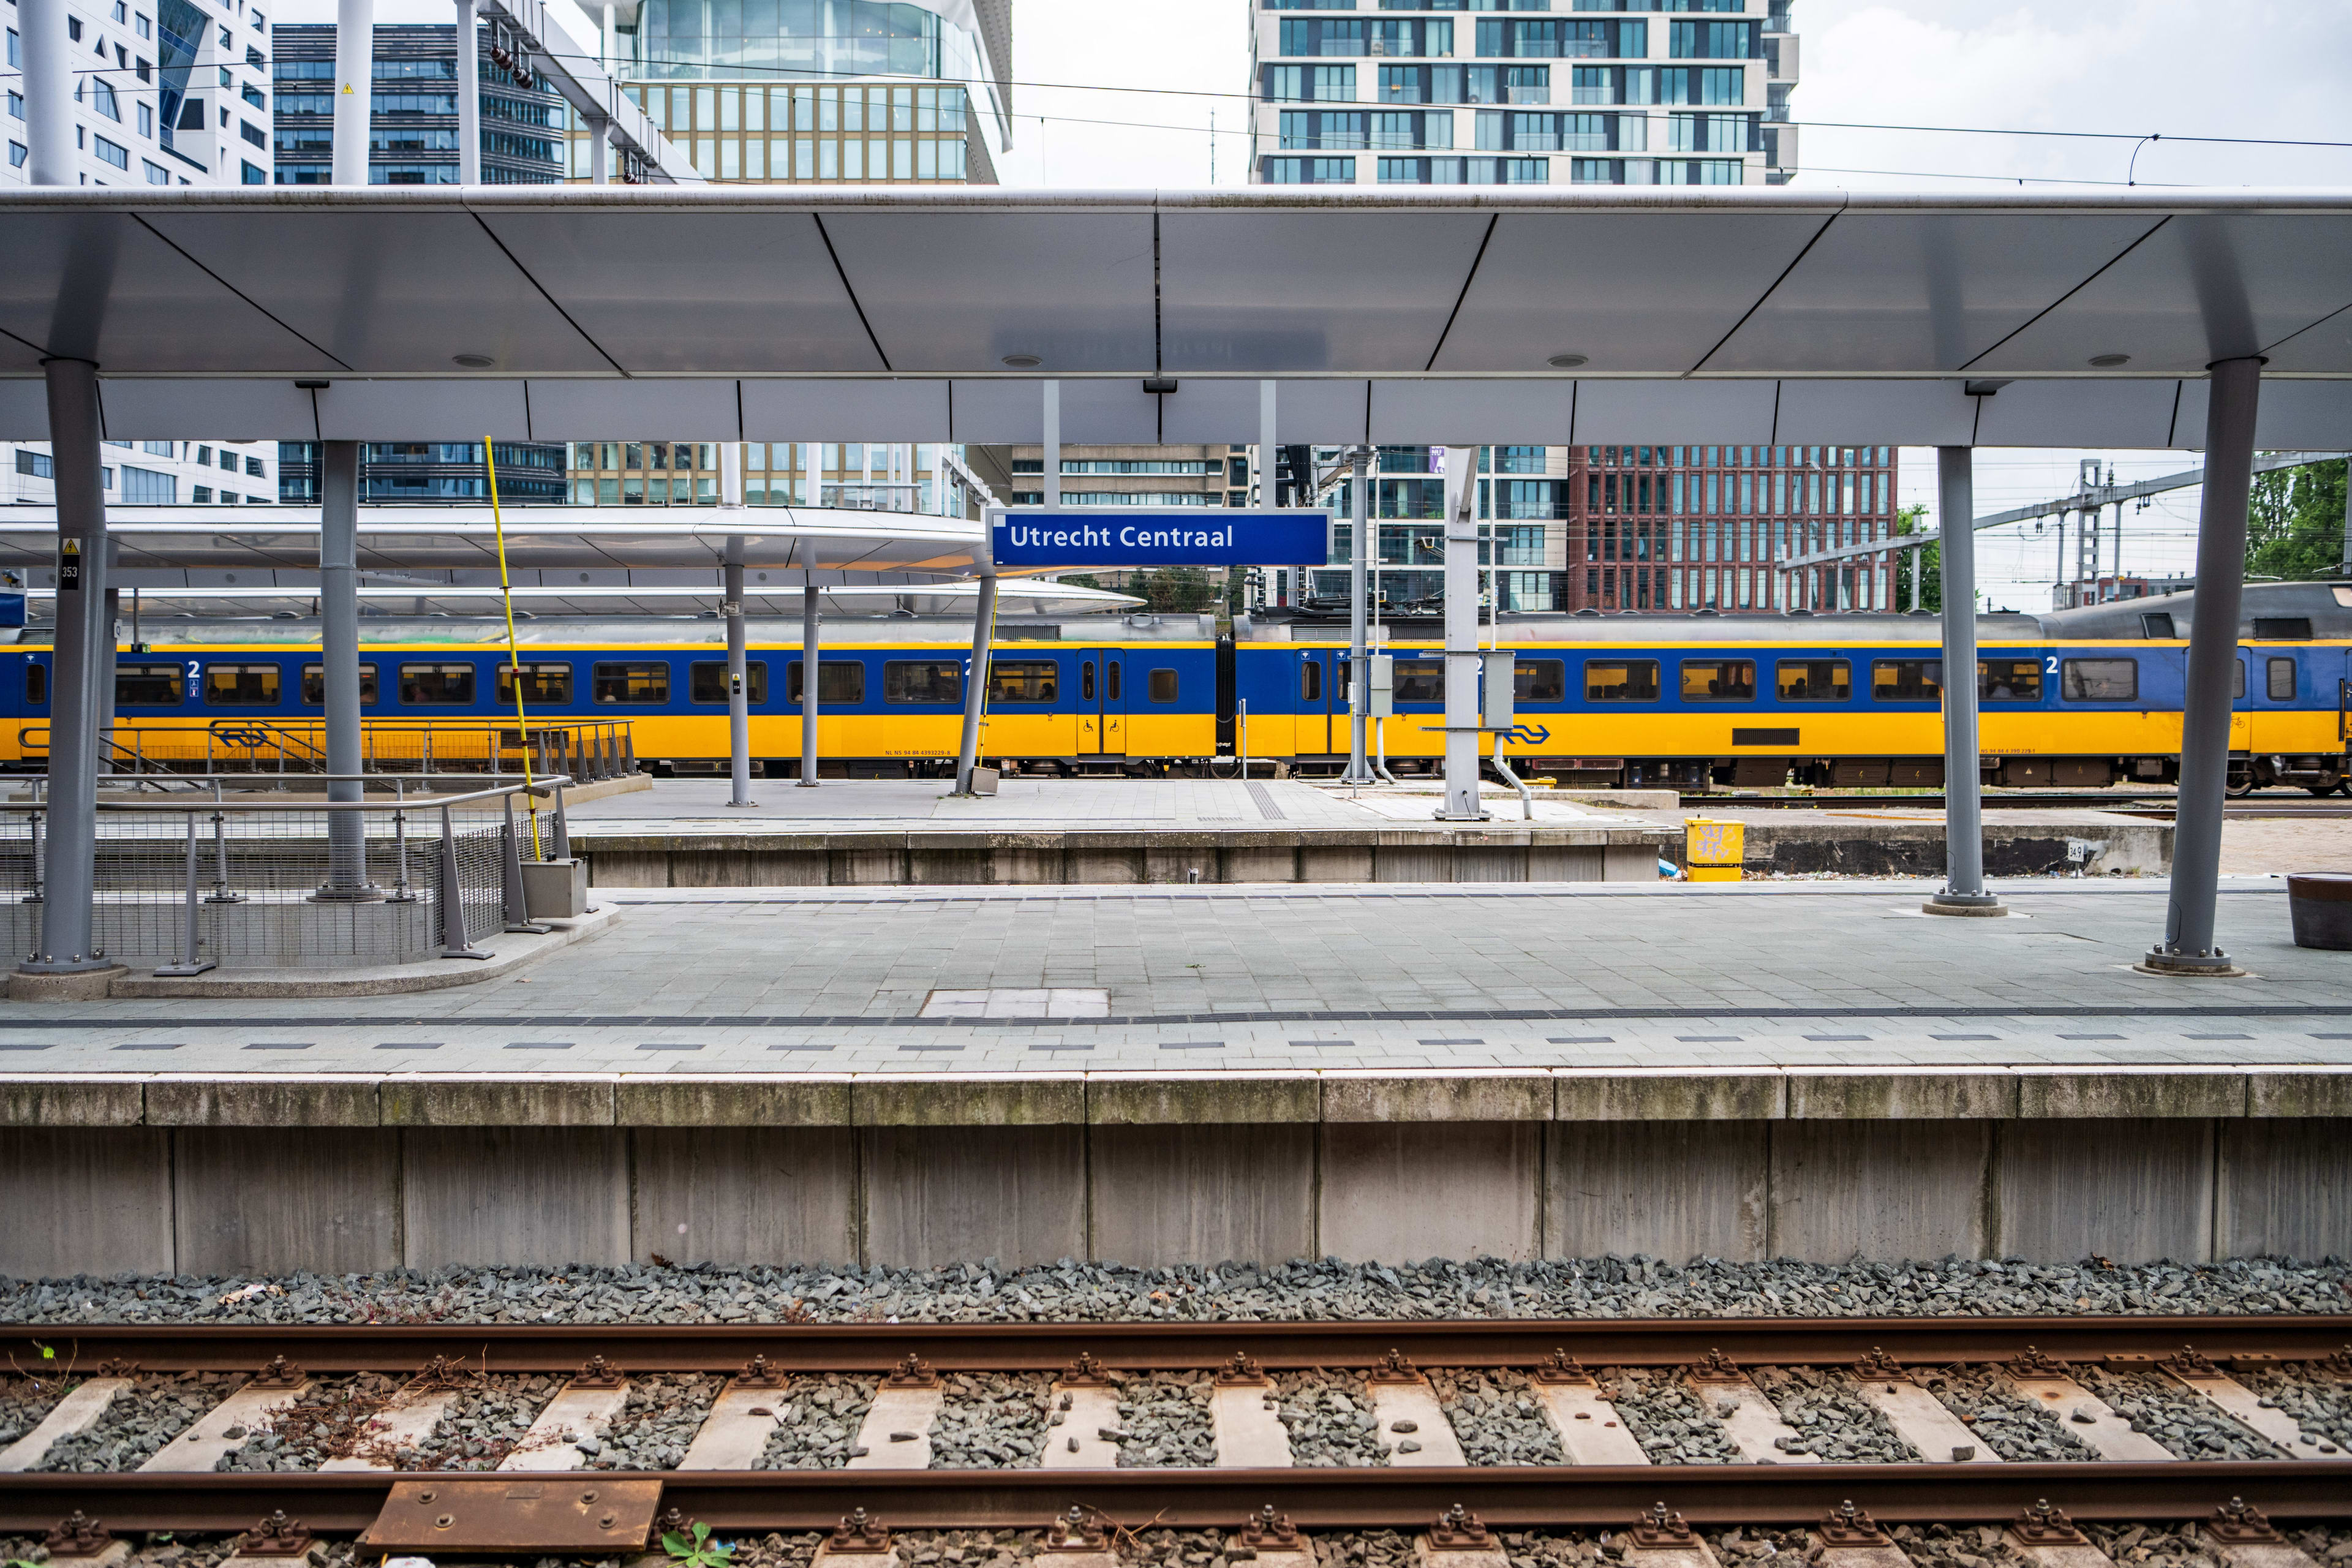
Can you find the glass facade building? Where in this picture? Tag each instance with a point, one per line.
(413, 121)
(1449, 92)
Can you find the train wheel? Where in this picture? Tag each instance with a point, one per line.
(2239, 786)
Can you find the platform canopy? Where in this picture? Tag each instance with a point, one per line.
(1563, 315)
(644, 593)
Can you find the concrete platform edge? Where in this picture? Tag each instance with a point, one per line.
(508, 952)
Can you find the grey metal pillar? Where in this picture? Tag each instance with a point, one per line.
(1964, 889)
(107, 646)
(975, 692)
(739, 695)
(600, 149)
(2188, 947)
(1362, 529)
(811, 670)
(338, 657)
(469, 96)
(48, 88)
(1461, 709)
(1918, 572)
(355, 87)
(66, 946)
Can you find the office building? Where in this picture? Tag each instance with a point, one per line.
(168, 92)
(1421, 93)
(413, 120)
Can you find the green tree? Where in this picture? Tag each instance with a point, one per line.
(1928, 559)
(2294, 522)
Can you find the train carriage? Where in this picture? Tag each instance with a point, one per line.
(2078, 698)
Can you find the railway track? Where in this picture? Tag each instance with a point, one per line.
(2279, 803)
(1759, 1421)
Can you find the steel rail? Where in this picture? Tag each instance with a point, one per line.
(1166, 1346)
(1513, 1496)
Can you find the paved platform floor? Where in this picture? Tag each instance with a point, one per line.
(1159, 979)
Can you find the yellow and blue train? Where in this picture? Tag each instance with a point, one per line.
(2081, 698)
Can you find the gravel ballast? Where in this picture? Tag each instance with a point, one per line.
(1832, 1420)
(657, 1423)
(2321, 1408)
(1329, 1417)
(2187, 1424)
(24, 1401)
(1165, 1419)
(141, 1420)
(991, 1420)
(1495, 1416)
(329, 1423)
(817, 1418)
(483, 1424)
(1667, 1417)
(1323, 1291)
(2013, 1427)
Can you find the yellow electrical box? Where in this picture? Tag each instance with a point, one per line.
(1712, 850)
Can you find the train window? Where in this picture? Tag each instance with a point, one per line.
(436, 684)
(1024, 680)
(1907, 679)
(705, 681)
(1621, 680)
(145, 686)
(1310, 681)
(839, 681)
(2283, 628)
(1815, 680)
(1163, 686)
(36, 683)
(2240, 689)
(241, 685)
(2099, 680)
(1086, 680)
(2009, 680)
(922, 680)
(2156, 625)
(1110, 679)
(1719, 681)
(540, 683)
(1419, 680)
(314, 685)
(1539, 679)
(634, 683)
(2281, 678)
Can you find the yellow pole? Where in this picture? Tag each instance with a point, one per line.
(514, 653)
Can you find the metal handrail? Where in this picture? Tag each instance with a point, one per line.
(538, 788)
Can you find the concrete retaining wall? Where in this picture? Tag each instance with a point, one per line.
(338, 1175)
(1612, 854)
(2015, 845)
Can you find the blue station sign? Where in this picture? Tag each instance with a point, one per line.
(1189, 536)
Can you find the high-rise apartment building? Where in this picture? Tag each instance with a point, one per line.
(167, 92)
(413, 119)
(1488, 92)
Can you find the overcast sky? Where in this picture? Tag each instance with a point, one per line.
(1122, 92)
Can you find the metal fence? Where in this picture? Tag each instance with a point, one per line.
(587, 750)
(189, 879)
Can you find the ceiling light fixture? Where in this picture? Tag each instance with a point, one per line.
(1023, 361)
(2109, 362)
(474, 362)
(1565, 362)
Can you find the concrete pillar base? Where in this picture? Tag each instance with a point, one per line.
(367, 895)
(1964, 904)
(2214, 965)
(67, 985)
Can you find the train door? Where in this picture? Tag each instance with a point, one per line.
(2241, 717)
(2275, 696)
(1319, 699)
(1102, 702)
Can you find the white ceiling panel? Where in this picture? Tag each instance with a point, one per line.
(760, 295)
(23, 410)
(1323, 411)
(2079, 412)
(1642, 293)
(614, 410)
(87, 283)
(956, 291)
(1208, 408)
(1109, 411)
(1261, 293)
(999, 413)
(1472, 413)
(1640, 411)
(845, 411)
(2301, 416)
(2323, 348)
(401, 290)
(1899, 413)
(1897, 292)
(424, 411)
(208, 410)
(2202, 287)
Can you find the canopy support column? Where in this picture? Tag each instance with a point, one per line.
(600, 149)
(48, 92)
(810, 670)
(975, 690)
(356, 88)
(738, 690)
(66, 944)
(107, 650)
(1361, 534)
(338, 657)
(1964, 889)
(2188, 947)
(469, 96)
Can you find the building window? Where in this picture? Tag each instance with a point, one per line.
(111, 152)
(1310, 171)
(145, 487)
